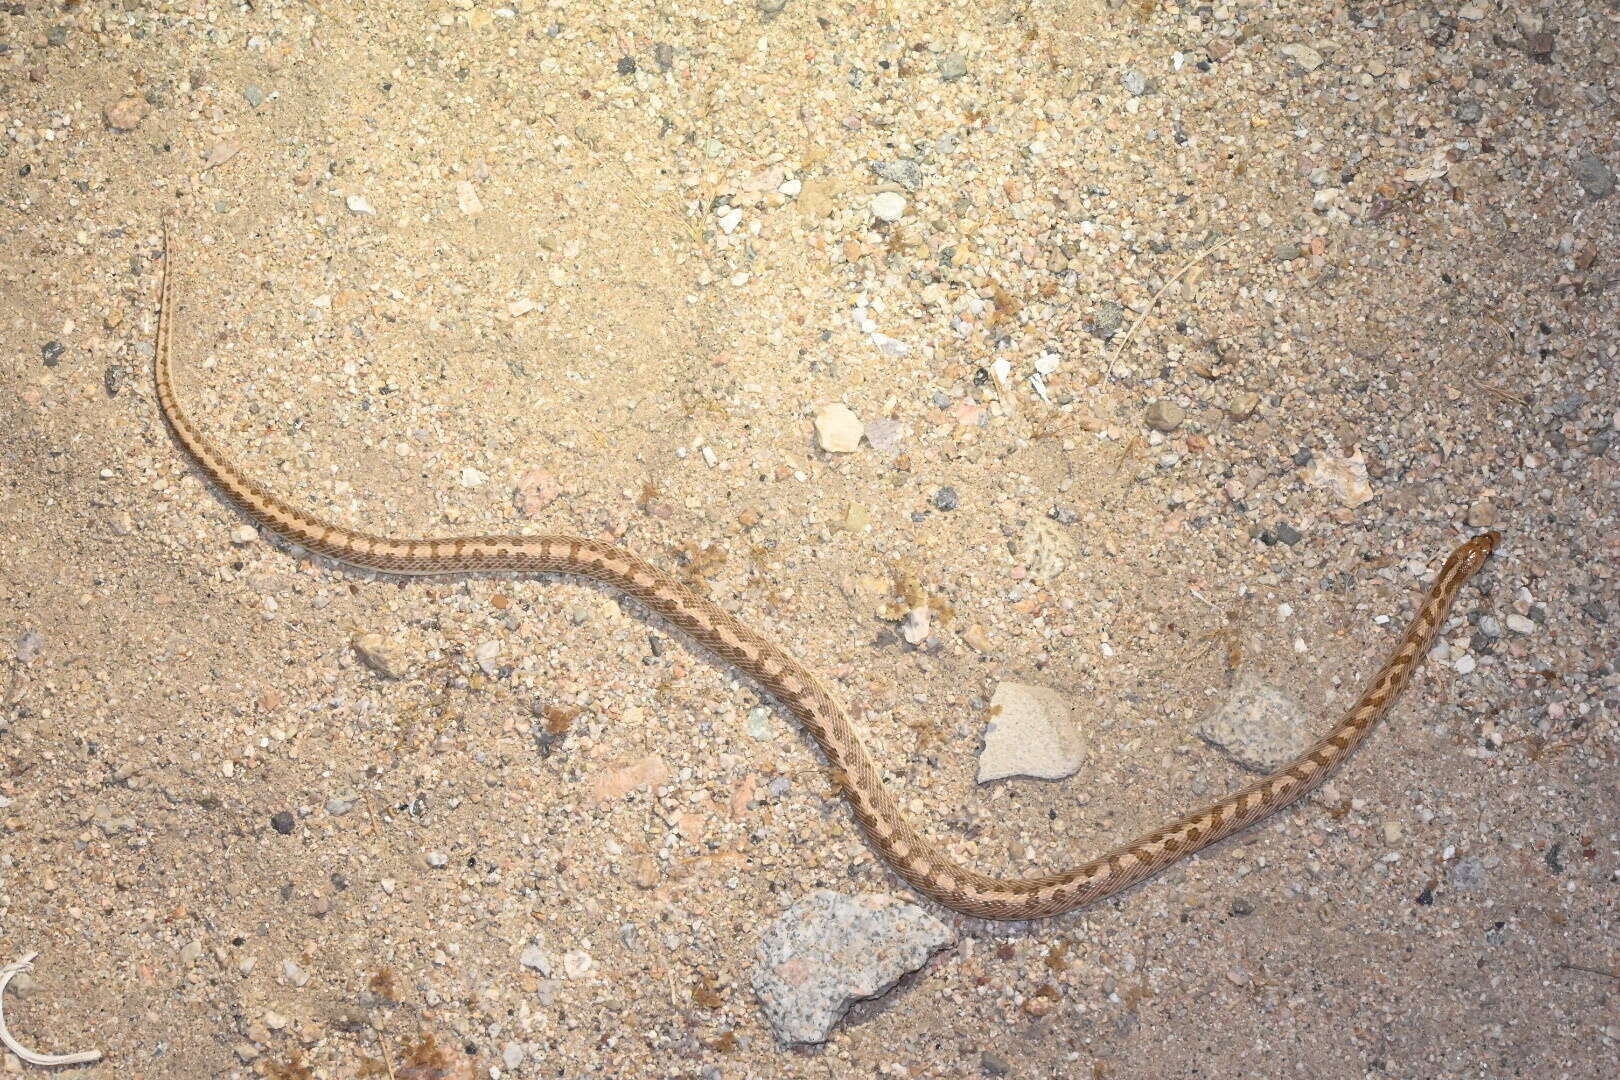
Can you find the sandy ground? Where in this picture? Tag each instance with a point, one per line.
(610, 258)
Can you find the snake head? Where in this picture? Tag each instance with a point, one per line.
(1471, 556)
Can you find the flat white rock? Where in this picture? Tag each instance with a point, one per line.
(1031, 733)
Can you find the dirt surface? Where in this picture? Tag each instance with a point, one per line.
(593, 268)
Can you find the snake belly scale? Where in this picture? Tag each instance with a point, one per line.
(916, 859)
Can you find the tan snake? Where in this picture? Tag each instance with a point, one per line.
(917, 860)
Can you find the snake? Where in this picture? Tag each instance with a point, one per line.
(916, 859)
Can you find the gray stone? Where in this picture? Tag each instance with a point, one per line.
(1258, 726)
(1031, 733)
(1108, 320)
(1467, 874)
(829, 950)
(534, 958)
(30, 645)
(1165, 416)
(905, 172)
(952, 66)
(1594, 176)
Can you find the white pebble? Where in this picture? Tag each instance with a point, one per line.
(1465, 664)
(1519, 624)
(888, 205)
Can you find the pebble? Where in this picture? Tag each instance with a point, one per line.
(1286, 534)
(577, 964)
(29, 646)
(283, 822)
(126, 113)
(381, 656)
(1346, 478)
(759, 723)
(1595, 176)
(885, 436)
(535, 958)
(51, 353)
(1467, 874)
(1031, 732)
(1302, 54)
(293, 973)
(536, 489)
(253, 95)
(905, 172)
(1258, 726)
(1243, 406)
(438, 860)
(838, 431)
(830, 950)
(359, 204)
(1520, 624)
(615, 783)
(512, 1055)
(1465, 664)
(1482, 515)
(1108, 319)
(946, 499)
(471, 477)
(243, 535)
(1165, 415)
(952, 66)
(338, 805)
(888, 206)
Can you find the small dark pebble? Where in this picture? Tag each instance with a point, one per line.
(991, 1065)
(1303, 456)
(52, 352)
(1552, 858)
(1287, 534)
(664, 54)
(945, 498)
(1241, 907)
(1063, 515)
(282, 822)
(1595, 611)
(1426, 897)
(627, 65)
(113, 379)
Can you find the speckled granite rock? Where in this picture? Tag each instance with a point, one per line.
(1259, 727)
(829, 950)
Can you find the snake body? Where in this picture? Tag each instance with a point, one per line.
(916, 859)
